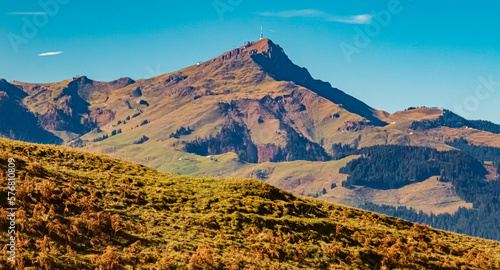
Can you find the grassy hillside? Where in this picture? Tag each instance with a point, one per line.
(84, 211)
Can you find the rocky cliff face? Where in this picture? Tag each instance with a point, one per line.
(54, 108)
(122, 82)
(16, 122)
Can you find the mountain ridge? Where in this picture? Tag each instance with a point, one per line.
(250, 112)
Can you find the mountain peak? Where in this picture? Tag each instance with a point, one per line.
(274, 61)
(81, 79)
(262, 45)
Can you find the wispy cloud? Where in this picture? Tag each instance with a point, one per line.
(357, 19)
(50, 53)
(27, 13)
(314, 13)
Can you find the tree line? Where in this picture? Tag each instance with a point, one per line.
(394, 166)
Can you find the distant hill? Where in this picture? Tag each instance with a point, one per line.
(450, 119)
(252, 113)
(85, 211)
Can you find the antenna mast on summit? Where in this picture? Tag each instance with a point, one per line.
(261, 33)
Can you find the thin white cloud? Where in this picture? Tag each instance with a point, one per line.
(357, 19)
(50, 53)
(314, 13)
(27, 13)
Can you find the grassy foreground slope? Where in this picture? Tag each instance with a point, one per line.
(85, 211)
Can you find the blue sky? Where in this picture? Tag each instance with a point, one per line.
(433, 53)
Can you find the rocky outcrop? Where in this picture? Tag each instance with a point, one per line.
(101, 116)
(122, 82)
(174, 79)
(267, 152)
(17, 123)
(13, 91)
(69, 113)
(81, 86)
(136, 93)
(354, 126)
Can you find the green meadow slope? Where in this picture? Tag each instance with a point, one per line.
(84, 211)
